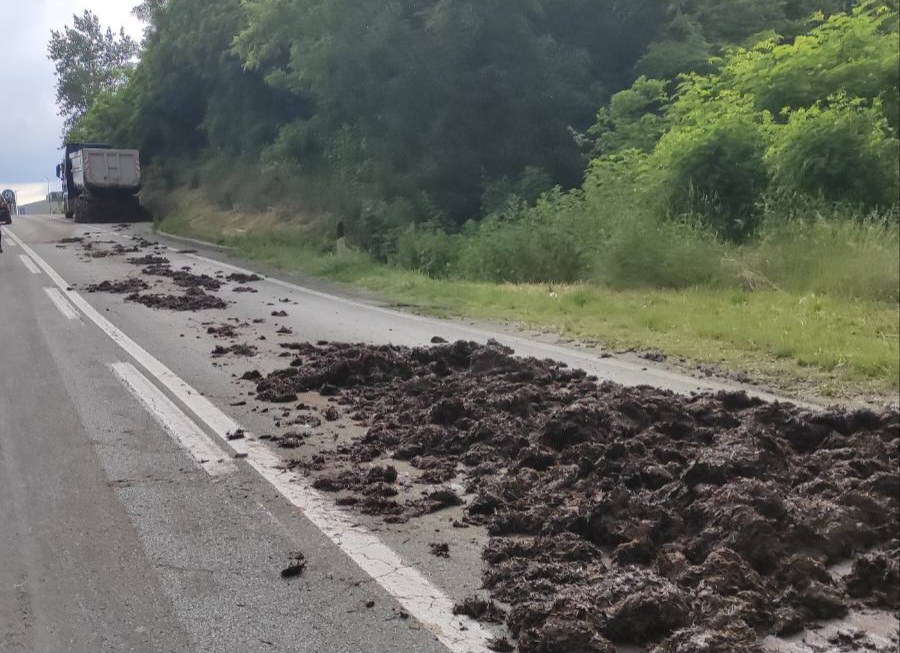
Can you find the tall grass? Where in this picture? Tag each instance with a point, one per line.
(660, 254)
(576, 237)
(850, 258)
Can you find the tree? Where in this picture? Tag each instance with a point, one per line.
(88, 61)
(146, 10)
(633, 119)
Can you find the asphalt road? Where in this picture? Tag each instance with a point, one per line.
(129, 522)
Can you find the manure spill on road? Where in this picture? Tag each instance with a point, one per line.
(130, 285)
(196, 286)
(193, 299)
(619, 515)
(241, 278)
(236, 350)
(149, 260)
(183, 278)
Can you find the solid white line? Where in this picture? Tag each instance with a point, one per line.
(12, 243)
(408, 586)
(29, 264)
(206, 453)
(60, 302)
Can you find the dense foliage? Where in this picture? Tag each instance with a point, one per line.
(785, 130)
(435, 129)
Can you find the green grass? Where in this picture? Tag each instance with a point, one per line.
(798, 341)
(804, 333)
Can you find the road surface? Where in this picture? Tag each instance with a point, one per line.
(130, 522)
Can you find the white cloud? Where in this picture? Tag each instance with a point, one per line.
(29, 127)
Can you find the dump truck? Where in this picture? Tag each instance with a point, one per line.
(100, 183)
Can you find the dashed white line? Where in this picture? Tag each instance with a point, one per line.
(29, 264)
(421, 599)
(61, 304)
(206, 453)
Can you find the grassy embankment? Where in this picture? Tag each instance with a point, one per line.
(798, 340)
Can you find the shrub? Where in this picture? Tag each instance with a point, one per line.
(842, 151)
(712, 166)
(548, 242)
(666, 254)
(428, 250)
(854, 53)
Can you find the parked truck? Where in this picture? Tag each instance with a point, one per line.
(100, 183)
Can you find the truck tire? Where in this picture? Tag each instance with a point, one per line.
(81, 210)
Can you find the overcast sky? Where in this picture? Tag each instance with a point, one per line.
(29, 127)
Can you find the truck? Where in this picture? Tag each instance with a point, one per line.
(5, 212)
(100, 183)
(7, 206)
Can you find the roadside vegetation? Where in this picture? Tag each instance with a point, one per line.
(717, 179)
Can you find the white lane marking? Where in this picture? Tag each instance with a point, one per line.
(12, 243)
(205, 452)
(60, 302)
(29, 264)
(408, 586)
(405, 583)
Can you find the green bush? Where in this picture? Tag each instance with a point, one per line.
(634, 119)
(551, 241)
(664, 254)
(853, 53)
(713, 167)
(428, 250)
(842, 151)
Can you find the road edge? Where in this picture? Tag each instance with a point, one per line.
(196, 242)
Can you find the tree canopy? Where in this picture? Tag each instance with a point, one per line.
(437, 111)
(89, 61)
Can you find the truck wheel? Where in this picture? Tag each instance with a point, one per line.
(80, 210)
(70, 215)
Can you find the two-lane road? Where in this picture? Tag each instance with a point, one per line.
(129, 521)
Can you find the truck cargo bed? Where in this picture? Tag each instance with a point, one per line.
(107, 171)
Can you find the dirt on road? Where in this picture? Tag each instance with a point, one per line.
(122, 286)
(617, 516)
(183, 278)
(620, 515)
(193, 299)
